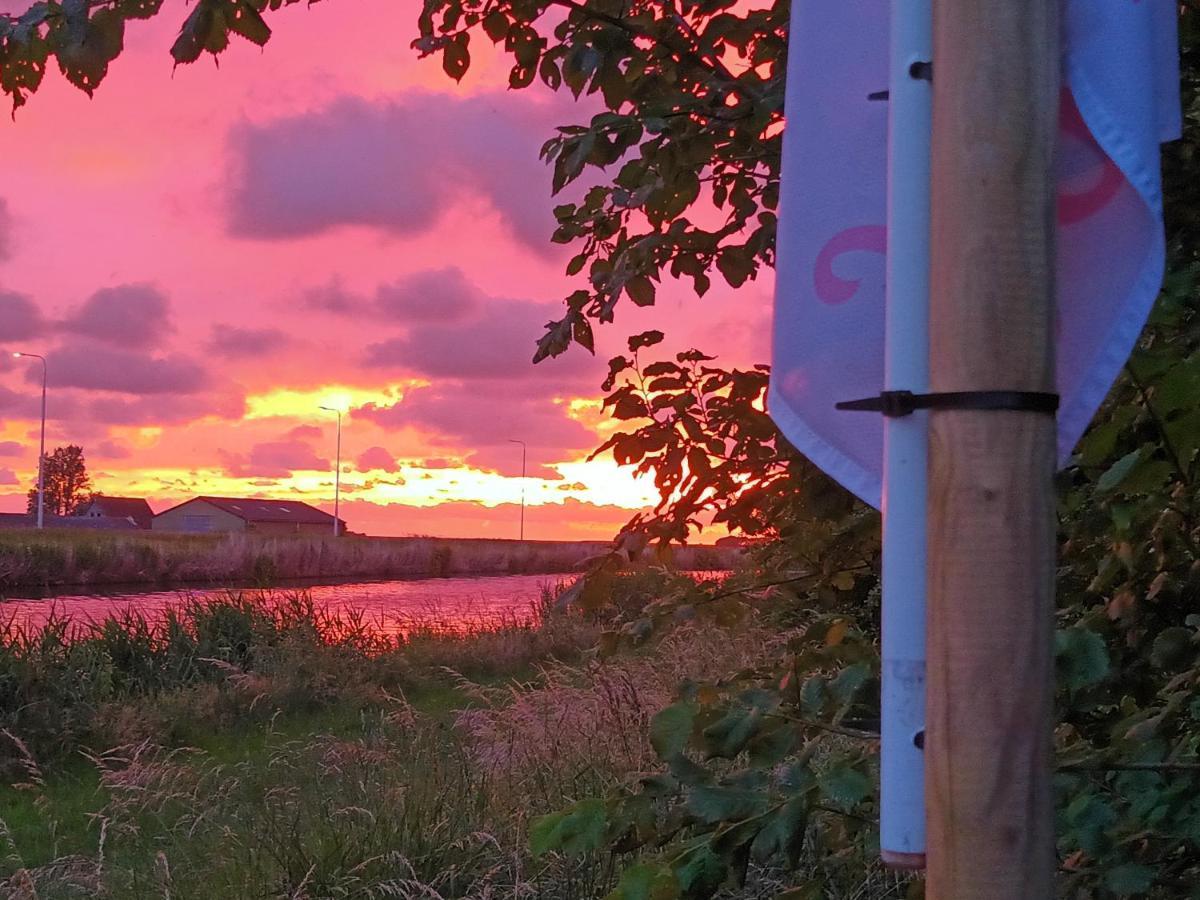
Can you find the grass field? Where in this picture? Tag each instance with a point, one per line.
(77, 557)
(242, 751)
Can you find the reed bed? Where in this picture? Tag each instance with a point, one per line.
(60, 557)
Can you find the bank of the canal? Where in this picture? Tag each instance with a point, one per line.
(58, 558)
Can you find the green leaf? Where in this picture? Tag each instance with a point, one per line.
(771, 747)
(1118, 471)
(712, 803)
(544, 833)
(1081, 657)
(700, 872)
(1173, 649)
(249, 24)
(783, 835)
(645, 339)
(849, 681)
(1129, 878)
(203, 29)
(640, 290)
(646, 881)
(495, 24)
(671, 729)
(577, 831)
(456, 57)
(844, 785)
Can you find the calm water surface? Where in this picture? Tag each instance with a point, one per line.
(391, 606)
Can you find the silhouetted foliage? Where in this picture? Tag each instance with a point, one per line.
(68, 484)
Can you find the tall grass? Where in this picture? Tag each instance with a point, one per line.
(244, 749)
(235, 657)
(30, 557)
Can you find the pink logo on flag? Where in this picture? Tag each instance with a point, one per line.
(831, 288)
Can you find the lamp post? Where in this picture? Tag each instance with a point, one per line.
(337, 474)
(41, 504)
(523, 448)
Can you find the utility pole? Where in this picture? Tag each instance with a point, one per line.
(41, 489)
(522, 443)
(991, 528)
(337, 475)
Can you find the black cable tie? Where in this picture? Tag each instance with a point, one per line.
(904, 403)
(879, 95)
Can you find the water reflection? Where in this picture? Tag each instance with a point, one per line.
(390, 607)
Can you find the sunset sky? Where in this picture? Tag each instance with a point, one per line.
(206, 256)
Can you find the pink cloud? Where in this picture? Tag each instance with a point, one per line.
(377, 458)
(113, 450)
(275, 459)
(233, 342)
(9, 477)
(11, 448)
(128, 315)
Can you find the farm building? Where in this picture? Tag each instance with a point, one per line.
(233, 514)
(135, 509)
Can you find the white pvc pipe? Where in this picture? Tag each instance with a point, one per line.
(902, 765)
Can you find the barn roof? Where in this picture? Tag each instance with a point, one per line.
(134, 508)
(258, 509)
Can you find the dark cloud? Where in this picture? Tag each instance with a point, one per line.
(434, 294)
(20, 319)
(499, 344)
(334, 297)
(395, 166)
(165, 409)
(233, 342)
(11, 448)
(128, 315)
(113, 450)
(92, 366)
(377, 458)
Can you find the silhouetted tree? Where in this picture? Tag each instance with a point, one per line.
(68, 485)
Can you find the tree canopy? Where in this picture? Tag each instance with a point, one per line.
(68, 484)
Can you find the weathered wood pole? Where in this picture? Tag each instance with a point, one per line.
(991, 531)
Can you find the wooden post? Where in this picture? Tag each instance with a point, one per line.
(991, 531)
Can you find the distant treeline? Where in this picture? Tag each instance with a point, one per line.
(53, 557)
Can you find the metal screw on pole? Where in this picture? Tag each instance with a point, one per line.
(41, 505)
(523, 449)
(337, 475)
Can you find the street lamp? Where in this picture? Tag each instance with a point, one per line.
(523, 448)
(41, 507)
(337, 475)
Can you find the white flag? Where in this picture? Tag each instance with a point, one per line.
(1120, 100)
